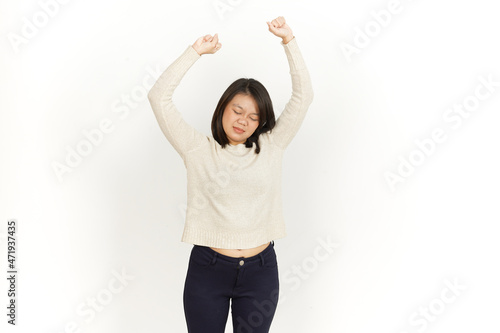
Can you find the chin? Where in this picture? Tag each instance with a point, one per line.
(240, 139)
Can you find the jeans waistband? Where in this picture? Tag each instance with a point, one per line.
(258, 257)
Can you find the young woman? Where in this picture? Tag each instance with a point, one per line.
(234, 208)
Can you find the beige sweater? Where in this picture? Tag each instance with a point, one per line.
(233, 194)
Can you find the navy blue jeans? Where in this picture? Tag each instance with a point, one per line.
(213, 279)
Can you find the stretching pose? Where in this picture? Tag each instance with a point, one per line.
(234, 205)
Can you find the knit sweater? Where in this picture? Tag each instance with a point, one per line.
(233, 194)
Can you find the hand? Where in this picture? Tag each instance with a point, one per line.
(207, 44)
(279, 28)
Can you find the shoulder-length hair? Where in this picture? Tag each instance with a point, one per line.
(255, 89)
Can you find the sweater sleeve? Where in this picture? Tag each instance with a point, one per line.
(291, 117)
(182, 136)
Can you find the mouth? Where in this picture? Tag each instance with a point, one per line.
(238, 130)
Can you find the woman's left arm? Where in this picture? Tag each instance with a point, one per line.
(292, 116)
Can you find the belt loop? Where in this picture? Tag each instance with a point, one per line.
(214, 259)
(261, 259)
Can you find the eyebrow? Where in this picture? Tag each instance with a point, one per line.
(239, 106)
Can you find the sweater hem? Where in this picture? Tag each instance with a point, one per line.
(230, 239)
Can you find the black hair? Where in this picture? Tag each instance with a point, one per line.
(259, 93)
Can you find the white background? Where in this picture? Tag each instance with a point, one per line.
(121, 209)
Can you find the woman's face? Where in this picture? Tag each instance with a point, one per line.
(240, 113)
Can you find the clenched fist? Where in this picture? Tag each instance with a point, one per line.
(279, 28)
(207, 44)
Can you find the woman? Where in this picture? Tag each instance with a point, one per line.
(234, 208)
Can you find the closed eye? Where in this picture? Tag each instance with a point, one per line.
(240, 113)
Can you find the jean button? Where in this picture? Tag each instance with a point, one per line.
(241, 262)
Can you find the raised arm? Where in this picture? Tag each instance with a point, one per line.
(291, 118)
(182, 136)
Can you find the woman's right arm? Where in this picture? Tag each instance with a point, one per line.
(182, 136)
